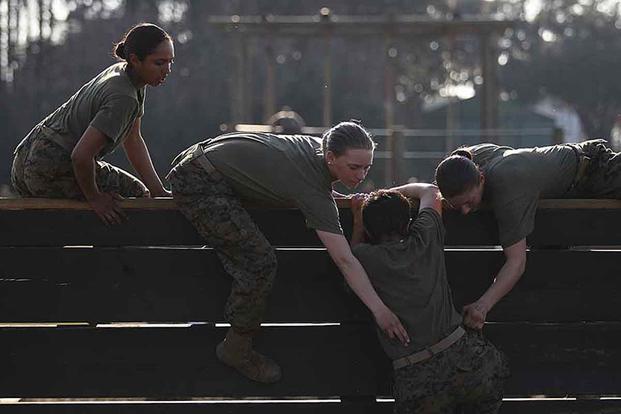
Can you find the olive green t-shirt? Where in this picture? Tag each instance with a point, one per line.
(109, 102)
(410, 278)
(515, 179)
(279, 170)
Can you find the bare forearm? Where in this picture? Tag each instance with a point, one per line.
(84, 170)
(506, 279)
(138, 156)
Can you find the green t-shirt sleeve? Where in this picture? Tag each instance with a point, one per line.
(321, 212)
(428, 226)
(114, 116)
(516, 218)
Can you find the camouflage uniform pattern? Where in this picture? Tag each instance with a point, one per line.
(468, 376)
(42, 168)
(211, 205)
(603, 175)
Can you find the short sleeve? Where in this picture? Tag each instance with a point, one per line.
(114, 116)
(428, 226)
(320, 211)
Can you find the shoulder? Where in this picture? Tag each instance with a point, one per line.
(114, 83)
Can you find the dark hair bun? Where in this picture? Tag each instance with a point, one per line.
(119, 50)
(462, 153)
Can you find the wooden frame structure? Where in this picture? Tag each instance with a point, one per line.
(327, 26)
(124, 319)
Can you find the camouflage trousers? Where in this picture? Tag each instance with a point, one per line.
(602, 178)
(42, 168)
(468, 377)
(211, 205)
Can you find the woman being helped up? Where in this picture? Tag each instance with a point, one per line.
(445, 367)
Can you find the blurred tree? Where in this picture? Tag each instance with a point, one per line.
(570, 50)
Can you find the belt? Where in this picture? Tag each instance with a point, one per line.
(427, 353)
(205, 163)
(195, 153)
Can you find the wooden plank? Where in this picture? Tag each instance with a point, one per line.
(165, 285)
(180, 285)
(508, 407)
(167, 203)
(327, 361)
(25, 223)
(101, 285)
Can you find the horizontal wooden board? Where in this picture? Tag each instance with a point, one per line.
(559, 223)
(508, 407)
(180, 285)
(553, 360)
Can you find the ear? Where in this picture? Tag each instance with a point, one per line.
(330, 157)
(482, 179)
(133, 59)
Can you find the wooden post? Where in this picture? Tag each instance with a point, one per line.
(389, 109)
(269, 92)
(398, 172)
(238, 80)
(327, 81)
(489, 88)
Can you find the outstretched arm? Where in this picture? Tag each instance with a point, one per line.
(475, 313)
(358, 280)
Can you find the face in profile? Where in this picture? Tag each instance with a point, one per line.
(156, 66)
(469, 200)
(351, 167)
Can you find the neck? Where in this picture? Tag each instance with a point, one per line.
(137, 82)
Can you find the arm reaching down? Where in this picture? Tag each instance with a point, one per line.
(357, 279)
(83, 159)
(138, 155)
(476, 313)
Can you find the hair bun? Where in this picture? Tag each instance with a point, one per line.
(462, 153)
(119, 50)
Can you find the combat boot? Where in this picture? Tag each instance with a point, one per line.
(236, 351)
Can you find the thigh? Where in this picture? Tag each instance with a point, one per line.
(111, 179)
(214, 209)
(481, 372)
(425, 388)
(47, 171)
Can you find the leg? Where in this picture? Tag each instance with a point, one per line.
(482, 370)
(425, 388)
(45, 171)
(111, 179)
(215, 211)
